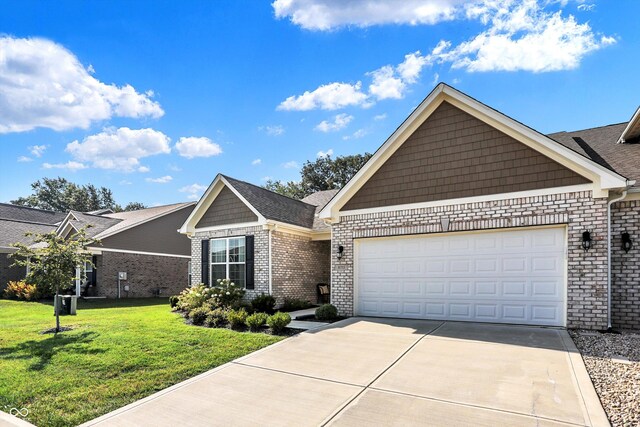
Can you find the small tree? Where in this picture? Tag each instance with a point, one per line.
(53, 259)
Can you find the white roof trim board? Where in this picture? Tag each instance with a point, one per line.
(207, 199)
(603, 178)
(633, 128)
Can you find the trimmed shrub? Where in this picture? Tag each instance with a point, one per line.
(21, 290)
(263, 303)
(173, 301)
(256, 321)
(225, 294)
(193, 297)
(199, 315)
(326, 312)
(293, 304)
(237, 318)
(278, 322)
(217, 318)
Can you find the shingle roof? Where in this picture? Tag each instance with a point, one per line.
(13, 231)
(26, 214)
(96, 223)
(132, 218)
(600, 145)
(275, 206)
(320, 200)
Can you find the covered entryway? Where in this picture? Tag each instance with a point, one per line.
(508, 276)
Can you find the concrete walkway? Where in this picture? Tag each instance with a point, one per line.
(364, 371)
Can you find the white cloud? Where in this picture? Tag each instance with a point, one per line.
(522, 36)
(338, 122)
(327, 153)
(380, 117)
(193, 191)
(330, 14)
(291, 165)
(392, 82)
(267, 178)
(37, 150)
(272, 130)
(120, 149)
(125, 182)
(586, 7)
(70, 165)
(356, 135)
(174, 168)
(331, 96)
(256, 162)
(161, 180)
(24, 159)
(144, 169)
(45, 85)
(191, 147)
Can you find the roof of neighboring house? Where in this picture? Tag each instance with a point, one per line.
(600, 145)
(275, 206)
(95, 224)
(13, 231)
(132, 218)
(27, 214)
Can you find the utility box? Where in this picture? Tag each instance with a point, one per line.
(65, 305)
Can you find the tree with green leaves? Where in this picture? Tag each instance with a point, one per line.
(324, 173)
(52, 260)
(61, 195)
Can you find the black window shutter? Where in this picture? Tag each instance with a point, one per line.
(94, 274)
(205, 262)
(248, 242)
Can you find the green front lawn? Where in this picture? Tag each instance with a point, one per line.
(118, 352)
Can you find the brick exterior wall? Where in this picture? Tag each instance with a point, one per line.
(145, 273)
(625, 266)
(9, 273)
(299, 264)
(261, 255)
(587, 275)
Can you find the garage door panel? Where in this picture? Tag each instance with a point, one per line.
(504, 276)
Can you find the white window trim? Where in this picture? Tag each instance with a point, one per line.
(227, 263)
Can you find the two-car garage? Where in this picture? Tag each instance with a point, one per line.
(507, 276)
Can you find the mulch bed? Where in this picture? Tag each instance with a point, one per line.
(613, 363)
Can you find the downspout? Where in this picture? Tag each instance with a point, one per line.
(270, 264)
(609, 203)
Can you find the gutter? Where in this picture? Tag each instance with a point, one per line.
(609, 203)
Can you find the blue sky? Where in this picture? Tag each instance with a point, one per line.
(153, 99)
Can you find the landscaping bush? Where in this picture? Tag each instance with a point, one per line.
(173, 301)
(217, 318)
(293, 304)
(193, 297)
(237, 318)
(225, 294)
(263, 303)
(21, 290)
(326, 312)
(256, 321)
(278, 322)
(199, 315)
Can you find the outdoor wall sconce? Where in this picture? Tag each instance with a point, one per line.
(586, 240)
(627, 244)
(340, 251)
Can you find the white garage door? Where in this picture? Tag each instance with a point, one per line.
(500, 276)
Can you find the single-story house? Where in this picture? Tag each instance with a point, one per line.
(142, 244)
(462, 214)
(261, 240)
(15, 222)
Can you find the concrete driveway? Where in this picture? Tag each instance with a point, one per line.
(365, 371)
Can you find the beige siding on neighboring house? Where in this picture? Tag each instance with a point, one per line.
(625, 266)
(157, 236)
(299, 264)
(586, 271)
(454, 155)
(227, 208)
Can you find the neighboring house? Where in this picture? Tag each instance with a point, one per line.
(263, 241)
(15, 222)
(144, 244)
(462, 214)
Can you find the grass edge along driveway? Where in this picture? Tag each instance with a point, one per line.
(117, 353)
